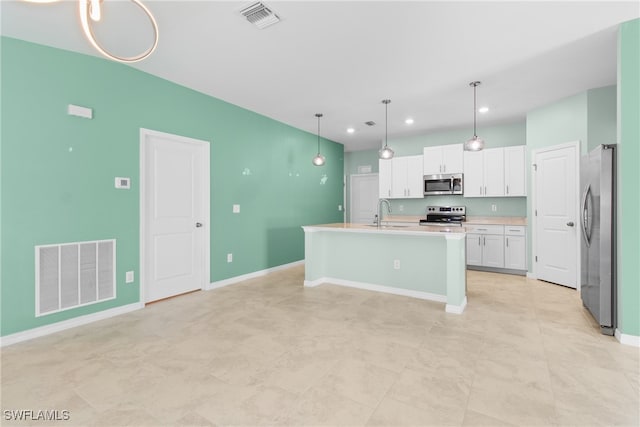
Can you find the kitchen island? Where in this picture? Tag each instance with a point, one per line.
(416, 261)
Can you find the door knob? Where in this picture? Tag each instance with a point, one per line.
(198, 224)
(570, 224)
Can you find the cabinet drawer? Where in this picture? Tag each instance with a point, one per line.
(485, 229)
(515, 230)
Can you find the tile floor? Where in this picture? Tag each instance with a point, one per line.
(268, 351)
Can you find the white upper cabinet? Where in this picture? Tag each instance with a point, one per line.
(407, 177)
(515, 183)
(495, 172)
(384, 178)
(443, 159)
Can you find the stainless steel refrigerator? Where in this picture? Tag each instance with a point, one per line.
(598, 278)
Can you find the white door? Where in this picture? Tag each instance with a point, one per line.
(555, 213)
(174, 214)
(364, 198)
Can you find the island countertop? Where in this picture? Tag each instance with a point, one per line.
(416, 230)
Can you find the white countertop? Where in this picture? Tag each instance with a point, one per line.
(416, 230)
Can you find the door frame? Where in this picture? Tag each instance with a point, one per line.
(534, 204)
(206, 204)
(357, 175)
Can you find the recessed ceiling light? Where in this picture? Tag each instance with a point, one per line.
(409, 121)
(483, 110)
(350, 130)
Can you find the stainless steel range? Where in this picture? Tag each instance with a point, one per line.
(445, 215)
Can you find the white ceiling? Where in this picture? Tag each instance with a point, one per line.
(341, 58)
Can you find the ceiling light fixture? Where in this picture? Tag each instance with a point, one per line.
(483, 110)
(385, 152)
(475, 143)
(409, 121)
(318, 160)
(350, 130)
(90, 10)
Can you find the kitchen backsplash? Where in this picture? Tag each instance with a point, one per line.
(481, 206)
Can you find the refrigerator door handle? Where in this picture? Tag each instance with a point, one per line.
(587, 208)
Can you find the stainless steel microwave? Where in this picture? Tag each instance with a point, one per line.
(450, 183)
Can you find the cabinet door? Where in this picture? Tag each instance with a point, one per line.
(515, 252)
(452, 158)
(493, 172)
(384, 178)
(399, 177)
(493, 251)
(474, 249)
(514, 171)
(473, 174)
(432, 160)
(415, 177)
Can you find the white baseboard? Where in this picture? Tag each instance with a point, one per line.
(232, 280)
(531, 275)
(456, 309)
(376, 288)
(67, 324)
(626, 339)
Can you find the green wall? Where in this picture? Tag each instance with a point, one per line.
(57, 177)
(629, 178)
(495, 136)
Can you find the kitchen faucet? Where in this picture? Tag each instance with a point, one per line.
(380, 203)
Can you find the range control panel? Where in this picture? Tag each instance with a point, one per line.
(457, 210)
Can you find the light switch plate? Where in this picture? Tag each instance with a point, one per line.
(129, 277)
(236, 208)
(229, 257)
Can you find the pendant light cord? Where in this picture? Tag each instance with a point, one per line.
(474, 111)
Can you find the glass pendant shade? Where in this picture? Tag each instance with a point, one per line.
(319, 159)
(476, 143)
(385, 152)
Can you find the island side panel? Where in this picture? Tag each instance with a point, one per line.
(314, 257)
(368, 258)
(456, 274)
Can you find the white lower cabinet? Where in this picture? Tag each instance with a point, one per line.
(515, 247)
(485, 246)
(497, 246)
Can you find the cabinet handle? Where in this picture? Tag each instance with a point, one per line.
(484, 241)
(485, 190)
(507, 188)
(481, 189)
(389, 192)
(479, 237)
(408, 191)
(507, 242)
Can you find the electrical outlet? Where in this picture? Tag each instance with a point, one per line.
(494, 208)
(340, 208)
(129, 277)
(236, 208)
(396, 264)
(401, 208)
(229, 257)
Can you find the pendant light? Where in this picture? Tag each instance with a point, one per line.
(318, 160)
(476, 143)
(385, 152)
(90, 11)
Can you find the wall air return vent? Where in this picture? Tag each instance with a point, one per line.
(71, 275)
(260, 15)
(370, 123)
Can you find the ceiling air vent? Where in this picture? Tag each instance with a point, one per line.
(370, 123)
(260, 15)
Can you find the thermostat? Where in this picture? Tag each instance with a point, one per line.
(124, 183)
